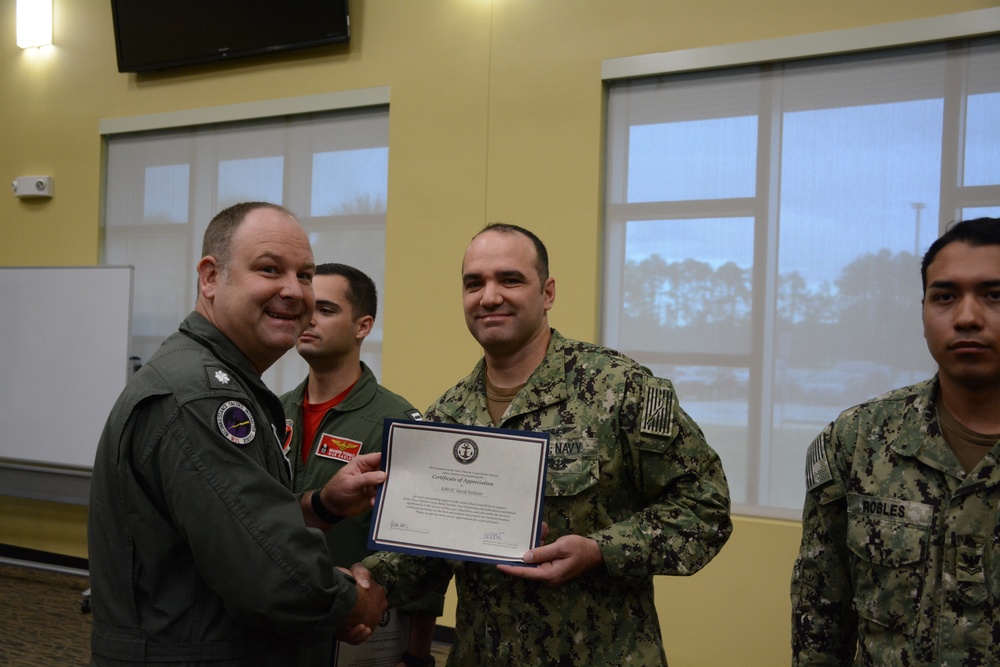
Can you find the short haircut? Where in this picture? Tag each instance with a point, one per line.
(541, 254)
(976, 232)
(361, 292)
(218, 238)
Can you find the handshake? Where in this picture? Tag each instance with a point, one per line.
(367, 611)
(351, 491)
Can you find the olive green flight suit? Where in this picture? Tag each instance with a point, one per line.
(198, 550)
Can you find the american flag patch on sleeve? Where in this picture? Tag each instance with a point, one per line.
(818, 470)
(657, 408)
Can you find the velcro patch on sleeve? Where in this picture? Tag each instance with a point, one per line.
(818, 472)
(658, 408)
(235, 421)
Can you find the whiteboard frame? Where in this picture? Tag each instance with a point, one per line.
(66, 341)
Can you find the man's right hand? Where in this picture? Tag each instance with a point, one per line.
(349, 492)
(367, 611)
(352, 489)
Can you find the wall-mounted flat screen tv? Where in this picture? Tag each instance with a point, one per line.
(158, 34)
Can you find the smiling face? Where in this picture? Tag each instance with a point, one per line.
(263, 298)
(961, 314)
(505, 300)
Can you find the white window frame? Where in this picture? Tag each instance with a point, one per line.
(291, 369)
(869, 38)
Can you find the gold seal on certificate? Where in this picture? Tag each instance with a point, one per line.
(461, 492)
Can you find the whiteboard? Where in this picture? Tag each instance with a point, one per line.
(64, 359)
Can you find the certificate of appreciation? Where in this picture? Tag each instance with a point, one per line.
(461, 492)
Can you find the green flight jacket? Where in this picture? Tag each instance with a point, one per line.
(899, 563)
(628, 468)
(359, 417)
(198, 550)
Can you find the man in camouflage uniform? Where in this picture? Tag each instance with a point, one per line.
(899, 562)
(632, 488)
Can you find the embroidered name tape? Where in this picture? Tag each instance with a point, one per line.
(337, 448)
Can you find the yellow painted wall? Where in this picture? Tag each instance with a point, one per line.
(496, 114)
(45, 526)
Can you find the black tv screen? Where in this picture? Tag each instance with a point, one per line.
(157, 34)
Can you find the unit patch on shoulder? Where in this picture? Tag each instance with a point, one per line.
(818, 470)
(415, 415)
(657, 409)
(337, 448)
(236, 422)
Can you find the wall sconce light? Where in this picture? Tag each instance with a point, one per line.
(34, 23)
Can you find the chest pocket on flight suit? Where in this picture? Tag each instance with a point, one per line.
(574, 465)
(889, 539)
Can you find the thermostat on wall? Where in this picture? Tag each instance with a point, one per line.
(32, 186)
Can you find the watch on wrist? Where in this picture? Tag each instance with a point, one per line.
(321, 511)
(413, 661)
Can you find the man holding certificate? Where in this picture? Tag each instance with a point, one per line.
(632, 489)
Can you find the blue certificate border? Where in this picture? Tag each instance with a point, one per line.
(383, 544)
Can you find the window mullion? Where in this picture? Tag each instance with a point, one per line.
(765, 279)
(953, 132)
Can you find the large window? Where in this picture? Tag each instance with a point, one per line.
(764, 226)
(164, 186)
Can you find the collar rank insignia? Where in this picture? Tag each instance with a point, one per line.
(219, 378)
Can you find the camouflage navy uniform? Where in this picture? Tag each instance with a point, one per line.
(628, 468)
(899, 545)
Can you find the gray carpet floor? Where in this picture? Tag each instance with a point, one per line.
(42, 623)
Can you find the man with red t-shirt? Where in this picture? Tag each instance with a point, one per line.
(336, 414)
